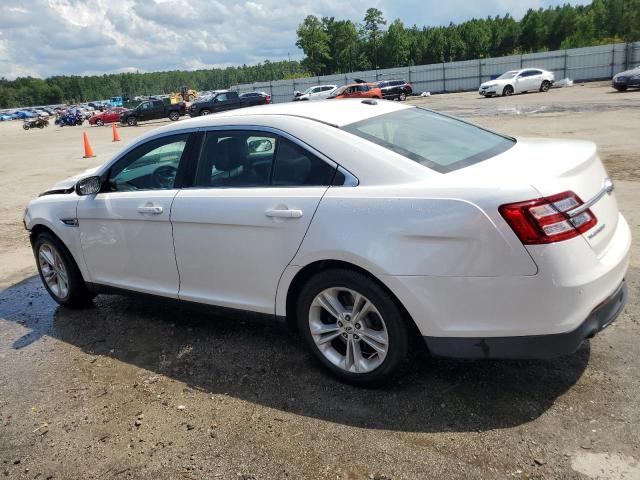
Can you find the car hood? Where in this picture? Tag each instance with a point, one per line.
(494, 83)
(628, 73)
(70, 182)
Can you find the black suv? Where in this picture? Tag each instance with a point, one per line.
(395, 89)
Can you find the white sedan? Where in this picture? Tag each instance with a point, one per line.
(365, 224)
(518, 81)
(318, 92)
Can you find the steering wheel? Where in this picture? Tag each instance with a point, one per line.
(164, 176)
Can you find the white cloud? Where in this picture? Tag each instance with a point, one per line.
(55, 37)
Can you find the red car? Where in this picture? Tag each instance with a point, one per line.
(357, 90)
(108, 116)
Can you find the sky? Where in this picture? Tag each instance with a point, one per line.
(42, 38)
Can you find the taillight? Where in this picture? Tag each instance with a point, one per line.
(549, 219)
(268, 98)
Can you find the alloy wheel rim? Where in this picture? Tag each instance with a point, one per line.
(348, 330)
(53, 270)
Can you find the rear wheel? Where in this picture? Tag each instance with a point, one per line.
(204, 112)
(132, 121)
(352, 326)
(508, 91)
(173, 116)
(546, 85)
(402, 97)
(59, 272)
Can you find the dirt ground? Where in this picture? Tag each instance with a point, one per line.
(143, 389)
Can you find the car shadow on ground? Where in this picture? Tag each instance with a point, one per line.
(262, 362)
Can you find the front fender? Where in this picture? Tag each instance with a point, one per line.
(58, 213)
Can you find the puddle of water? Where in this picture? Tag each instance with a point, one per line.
(605, 466)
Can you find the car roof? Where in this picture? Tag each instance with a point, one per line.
(336, 113)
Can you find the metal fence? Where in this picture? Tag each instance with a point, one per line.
(579, 64)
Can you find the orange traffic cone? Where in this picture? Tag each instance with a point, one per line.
(116, 136)
(88, 151)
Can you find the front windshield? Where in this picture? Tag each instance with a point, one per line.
(338, 91)
(308, 90)
(438, 142)
(508, 75)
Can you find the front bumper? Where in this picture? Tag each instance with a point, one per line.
(627, 82)
(488, 91)
(532, 346)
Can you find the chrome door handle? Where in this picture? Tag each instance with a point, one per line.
(154, 209)
(283, 213)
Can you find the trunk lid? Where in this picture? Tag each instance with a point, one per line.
(555, 166)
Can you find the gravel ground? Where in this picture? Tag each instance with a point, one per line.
(146, 389)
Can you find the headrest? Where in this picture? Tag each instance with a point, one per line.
(230, 153)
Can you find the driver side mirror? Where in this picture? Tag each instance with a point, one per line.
(88, 186)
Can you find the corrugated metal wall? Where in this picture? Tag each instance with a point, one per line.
(579, 64)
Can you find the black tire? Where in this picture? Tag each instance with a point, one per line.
(621, 88)
(393, 317)
(402, 97)
(205, 111)
(41, 126)
(173, 116)
(99, 123)
(546, 86)
(508, 91)
(132, 121)
(25, 126)
(78, 295)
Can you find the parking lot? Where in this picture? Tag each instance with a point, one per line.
(141, 389)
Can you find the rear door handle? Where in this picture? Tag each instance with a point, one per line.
(154, 209)
(283, 213)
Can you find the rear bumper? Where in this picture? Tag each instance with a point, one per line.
(532, 346)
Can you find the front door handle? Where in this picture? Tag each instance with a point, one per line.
(154, 209)
(283, 213)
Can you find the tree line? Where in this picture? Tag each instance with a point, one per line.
(339, 46)
(29, 91)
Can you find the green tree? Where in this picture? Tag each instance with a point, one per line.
(373, 21)
(396, 46)
(314, 42)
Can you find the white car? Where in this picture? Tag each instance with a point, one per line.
(363, 223)
(518, 81)
(318, 92)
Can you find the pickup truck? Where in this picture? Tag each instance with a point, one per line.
(152, 110)
(227, 100)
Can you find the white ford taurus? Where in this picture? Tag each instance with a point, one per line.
(363, 223)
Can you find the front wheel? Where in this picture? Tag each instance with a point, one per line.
(173, 116)
(508, 91)
(25, 126)
(204, 112)
(100, 123)
(546, 85)
(621, 88)
(132, 121)
(352, 326)
(59, 272)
